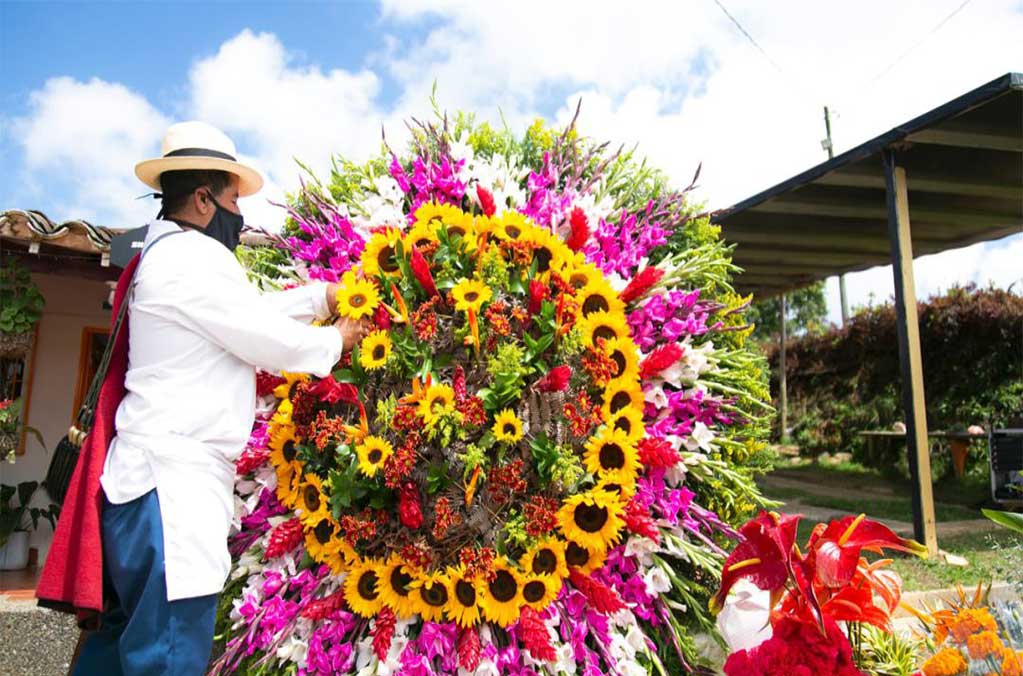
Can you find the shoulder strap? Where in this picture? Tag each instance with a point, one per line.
(88, 410)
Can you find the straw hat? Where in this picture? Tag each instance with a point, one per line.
(197, 145)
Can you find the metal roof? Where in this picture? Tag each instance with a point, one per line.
(964, 169)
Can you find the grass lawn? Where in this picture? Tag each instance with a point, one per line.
(898, 509)
(992, 556)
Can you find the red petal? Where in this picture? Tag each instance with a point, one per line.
(579, 230)
(641, 283)
(556, 379)
(421, 270)
(486, 200)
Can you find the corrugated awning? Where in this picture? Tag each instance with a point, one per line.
(964, 167)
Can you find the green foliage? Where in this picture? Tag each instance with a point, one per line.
(1010, 520)
(508, 369)
(884, 653)
(21, 304)
(848, 379)
(20, 517)
(806, 311)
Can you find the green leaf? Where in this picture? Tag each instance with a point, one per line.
(437, 478)
(1010, 520)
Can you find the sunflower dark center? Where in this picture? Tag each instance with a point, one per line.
(605, 332)
(578, 280)
(543, 258)
(612, 456)
(472, 296)
(619, 401)
(375, 455)
(289, 451)
(379, 352)
(323, 531)
(292, 388)
(595, 304)
(400, 581)
(357, 300)
(465, 592)
(619, 359)
(311, 496)
(504, 586)
(513, 231)
(509, 429)
(590, 518)
(456, 230)
(367, 586)
(435, 594)
(576, 555)
(533, 591)
(385, 259)
(545, 561)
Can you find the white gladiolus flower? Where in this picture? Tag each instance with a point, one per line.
(700, 438)
(656, 581)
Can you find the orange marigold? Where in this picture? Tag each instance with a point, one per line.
(1012, 663)
(971, 621)
(983, 644)
(947, 662)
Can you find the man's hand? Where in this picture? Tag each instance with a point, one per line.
(352, 331)
(332, 290)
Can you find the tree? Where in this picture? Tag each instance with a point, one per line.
(806, 312)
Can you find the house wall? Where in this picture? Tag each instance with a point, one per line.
(71, 305)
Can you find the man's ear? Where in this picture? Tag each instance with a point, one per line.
(203, 204)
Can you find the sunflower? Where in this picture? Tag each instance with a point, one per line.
(539, 590)
(546, 557)
(470, 294)
(463, 597)
(374, 350)
(380, 255)
(421, 235)
(507, 426)
(289, 482)
(320, 541)
(502, 595)
(311, 505)
(592, 519)
(620, 395)
(511, 225)
(283, 448)
(356, 298)
(394, 585)
(578, 273)
(584, 559)
(620, 486)
(361, 588)
(630, 421)
(548, 250)
(373, 452)
(282, 416)
(611, 454)
(429, 595)
(624, 353)
(438, 400)
(606, 325)
(599, 296)
(287, 389)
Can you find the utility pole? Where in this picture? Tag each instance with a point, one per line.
(829, 146)
(783, 393)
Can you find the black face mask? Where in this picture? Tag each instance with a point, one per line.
(225, 227)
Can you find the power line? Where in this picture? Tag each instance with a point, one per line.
(917, 43)
(748, 36)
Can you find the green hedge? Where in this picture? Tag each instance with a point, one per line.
(848, 380)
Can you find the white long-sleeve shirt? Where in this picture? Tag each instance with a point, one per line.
(197, 331)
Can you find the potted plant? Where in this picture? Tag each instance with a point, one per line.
(21, 305)
(18, 520)
(10, 428)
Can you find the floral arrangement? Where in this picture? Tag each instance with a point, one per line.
(812, 589)
(529, 466)
(970, 636)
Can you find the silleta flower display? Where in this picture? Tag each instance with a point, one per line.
(505, 474)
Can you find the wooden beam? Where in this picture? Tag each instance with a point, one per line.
(923, 182)
(968, 139)
(786, 256)
(831, 208)
(913, 401)
(783, 393)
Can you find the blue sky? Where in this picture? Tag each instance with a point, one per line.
(87, 88)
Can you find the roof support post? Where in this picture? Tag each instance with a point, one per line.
(909, 351)
(783, 394)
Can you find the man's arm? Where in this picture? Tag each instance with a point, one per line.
(314, 300)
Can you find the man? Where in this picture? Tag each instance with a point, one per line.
(197, 331)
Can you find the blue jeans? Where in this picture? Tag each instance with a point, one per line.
(142, 633)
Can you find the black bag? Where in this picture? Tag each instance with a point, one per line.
(65, 456)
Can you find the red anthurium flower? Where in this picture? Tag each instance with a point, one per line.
(421, 270)
(764, 557)
(834, 552)
(556, 380)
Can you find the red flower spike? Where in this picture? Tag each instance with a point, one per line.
(250, 460)
(657, 453)
(410, 512)
(602, 598)
(331, 391)
(556, 380)
(382, 318)
(458, 383)
(640, 284)
(284, 538)
(487, 204)
(383, 632)
(468, 649)
(579, 230)
(639, 521)
(660, 359)
(266, 383)
(320, 609)
(538, 293)
(534, 636)
(421, 270)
